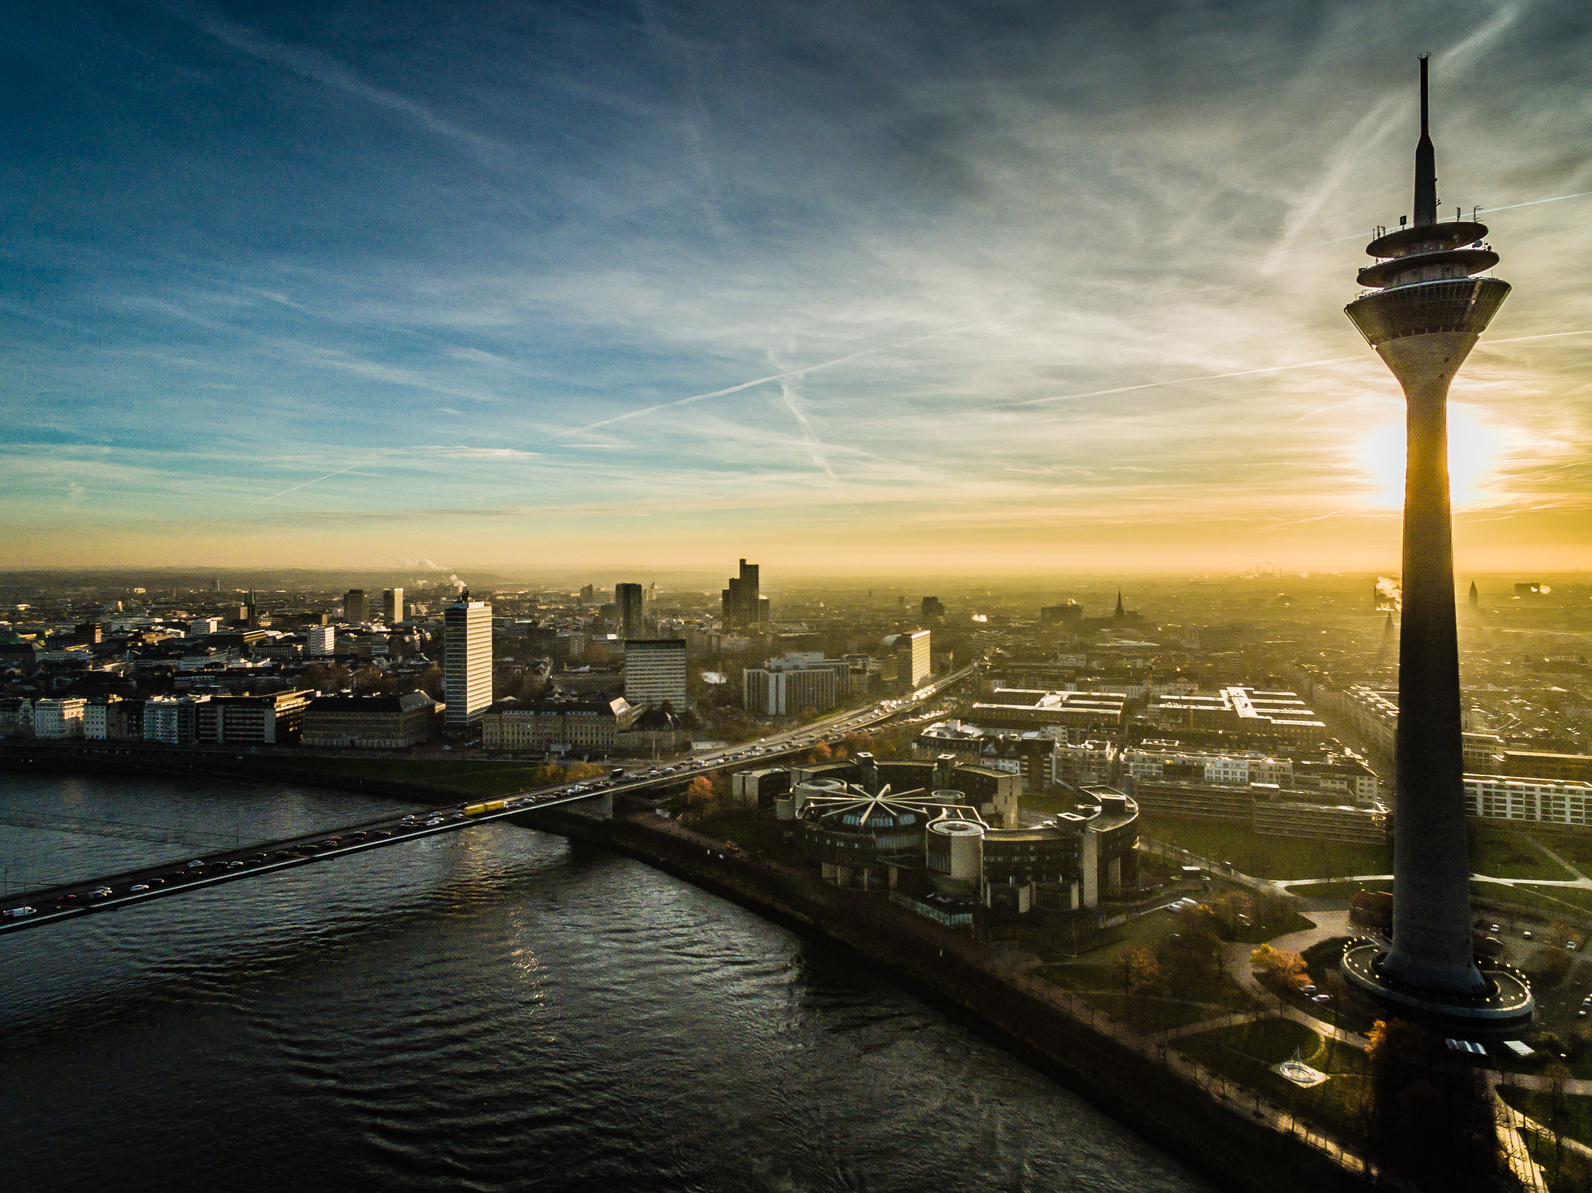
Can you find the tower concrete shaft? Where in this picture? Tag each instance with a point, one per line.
(1431, 891)
(1425, 313)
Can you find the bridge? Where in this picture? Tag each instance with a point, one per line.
(92, 896)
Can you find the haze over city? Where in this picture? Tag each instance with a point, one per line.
(851, 287)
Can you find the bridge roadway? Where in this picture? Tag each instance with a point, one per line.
(51, 905)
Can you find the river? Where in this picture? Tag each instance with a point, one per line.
(495, 1009)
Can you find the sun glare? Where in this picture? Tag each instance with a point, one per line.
(1473, 453)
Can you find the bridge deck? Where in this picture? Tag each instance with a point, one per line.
(50, 905)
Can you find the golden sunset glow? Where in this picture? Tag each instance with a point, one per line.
(1475, 451)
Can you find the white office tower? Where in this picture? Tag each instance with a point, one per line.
(655, 672)
(322, 640)
(392, 606)
(913, 659)
(466, 661)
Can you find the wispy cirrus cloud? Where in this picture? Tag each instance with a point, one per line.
(770, 276)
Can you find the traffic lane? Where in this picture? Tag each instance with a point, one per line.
(269, 854)
(153, 881)
(162, 881)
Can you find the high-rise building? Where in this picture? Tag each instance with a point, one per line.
(466, 660)
(743, 606)
(791, 691)
(1424, 314)
(322, 640)
(628, 597)
(58, 717)
(356, 608)
(392, 606)
(913, 662)
(655, 672)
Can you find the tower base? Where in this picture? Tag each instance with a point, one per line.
(1506, 1005)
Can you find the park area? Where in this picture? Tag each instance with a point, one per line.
(1164, 971)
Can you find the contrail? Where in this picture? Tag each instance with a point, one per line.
(1123, 389)
(1309, 364)
(1549, 335)
(719, 393)
(316, 481)
(1364, 236)
(1534, 202)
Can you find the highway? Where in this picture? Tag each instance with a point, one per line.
(50, 905)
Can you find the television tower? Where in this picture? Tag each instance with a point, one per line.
(1423, 314)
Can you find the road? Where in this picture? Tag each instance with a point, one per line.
(49, 905)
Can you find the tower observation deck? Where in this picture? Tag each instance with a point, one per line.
(1424, 312)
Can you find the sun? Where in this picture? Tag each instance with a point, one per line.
(1474, 450)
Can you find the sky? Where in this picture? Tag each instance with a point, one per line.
(846, 288)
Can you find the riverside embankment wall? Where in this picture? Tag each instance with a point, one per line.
(971, 979)
(945, 966)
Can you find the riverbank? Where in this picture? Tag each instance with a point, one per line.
(1127, 1076)
(1044, 1026)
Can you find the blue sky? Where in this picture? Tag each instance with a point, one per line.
(841, 287)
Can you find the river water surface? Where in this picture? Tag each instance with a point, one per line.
(495, 1009)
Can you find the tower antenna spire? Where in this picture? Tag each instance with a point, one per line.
(1425, 58)
(1424, 313)
(1425, 164)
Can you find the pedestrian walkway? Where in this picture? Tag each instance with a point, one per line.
(1512, 1129)
(1578, 1086)
(1568, 867)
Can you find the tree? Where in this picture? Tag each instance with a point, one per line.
(1192, 958)
(324, 678)
(820, 752)
(1283, 969)
(1548, 966)
(1558, 1078)
(1141, 974)
(1274, 909)
(699, 794)
(1232, 910)
(369, 679)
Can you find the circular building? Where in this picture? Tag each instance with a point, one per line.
(857, 837)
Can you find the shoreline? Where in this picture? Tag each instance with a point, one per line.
(965, 979)
(1040, 1025)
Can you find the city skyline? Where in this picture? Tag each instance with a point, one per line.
(841, 295)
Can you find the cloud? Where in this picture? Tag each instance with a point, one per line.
(322, 68)
(774, 275)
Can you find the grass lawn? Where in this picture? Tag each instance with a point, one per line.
(1268, 857)
(1099, 980)
(1245, 1054)
(1575, 1120)
(1575, 847)
(1048, 805)
(1101, 986)
(1338, 890)
(1495, 851)
(1554, 902)
(1506, 853)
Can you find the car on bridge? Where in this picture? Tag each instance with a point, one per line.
(16, 913)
